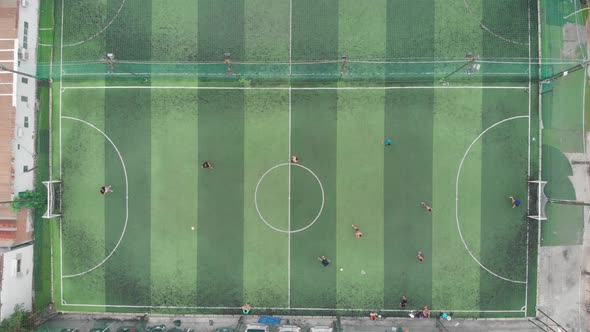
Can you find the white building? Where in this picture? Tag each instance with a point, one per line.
(16, 285)
(19, 20)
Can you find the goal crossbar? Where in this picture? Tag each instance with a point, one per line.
(53, 199)
(539, 200)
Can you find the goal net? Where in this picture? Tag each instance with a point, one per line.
(53, 199)
(538, 200)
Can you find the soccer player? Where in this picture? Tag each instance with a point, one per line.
(420, 256)
(515, 202)
(110, 58)
(343, 69)
(357, 232)
(294, 159)
(207, 165)
(227, 61)
(105, 190)
(387, 142)
(325, 261)
(403, 302)
(427, 207)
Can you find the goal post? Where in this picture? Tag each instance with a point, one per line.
(538, 200)
(53, 199)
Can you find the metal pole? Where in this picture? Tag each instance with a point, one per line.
(568, 202)
(551, 319)
(566, 72)
(2, 67)
(451, 74)
(541, 327)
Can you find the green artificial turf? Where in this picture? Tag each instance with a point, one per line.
(195, 240)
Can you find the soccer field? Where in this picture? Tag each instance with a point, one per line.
(260, 222)
(173, 236)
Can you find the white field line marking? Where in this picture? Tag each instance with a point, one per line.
(289, 213)
(540, 137)
(279, 308)
(486, 28)
(61, 63)
(301, 88)
(96, 34)
(579, 37)
(584, 127)
(530, 96)
(587, 187)
(576, 12)
(457, 196)
(333, 75)
(52, 262)
(61, 50)
(266, 221)
(524, 61)
(289, 156)
(510, 60)
(126, 199)
(61, 255)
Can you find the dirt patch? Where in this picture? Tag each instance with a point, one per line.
(575, 40)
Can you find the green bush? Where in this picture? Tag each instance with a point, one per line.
(29, 199)
(19, 321)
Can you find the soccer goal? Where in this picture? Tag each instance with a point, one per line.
(538, 200)
(53, 199)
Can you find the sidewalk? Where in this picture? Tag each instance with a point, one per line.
(85, 322)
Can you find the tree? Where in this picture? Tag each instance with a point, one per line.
(19, 321)
(29, 199)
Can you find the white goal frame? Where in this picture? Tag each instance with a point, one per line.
(541, 200)
(49, 212)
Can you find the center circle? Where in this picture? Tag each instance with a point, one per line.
(288, 230)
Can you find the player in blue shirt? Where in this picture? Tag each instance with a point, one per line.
(515, 202)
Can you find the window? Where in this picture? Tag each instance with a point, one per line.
(18, 265)
(26, 122)
(25, 35)
(24, 80)
(24, 99)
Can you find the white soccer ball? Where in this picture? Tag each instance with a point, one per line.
(193, 228)
(341, 269)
